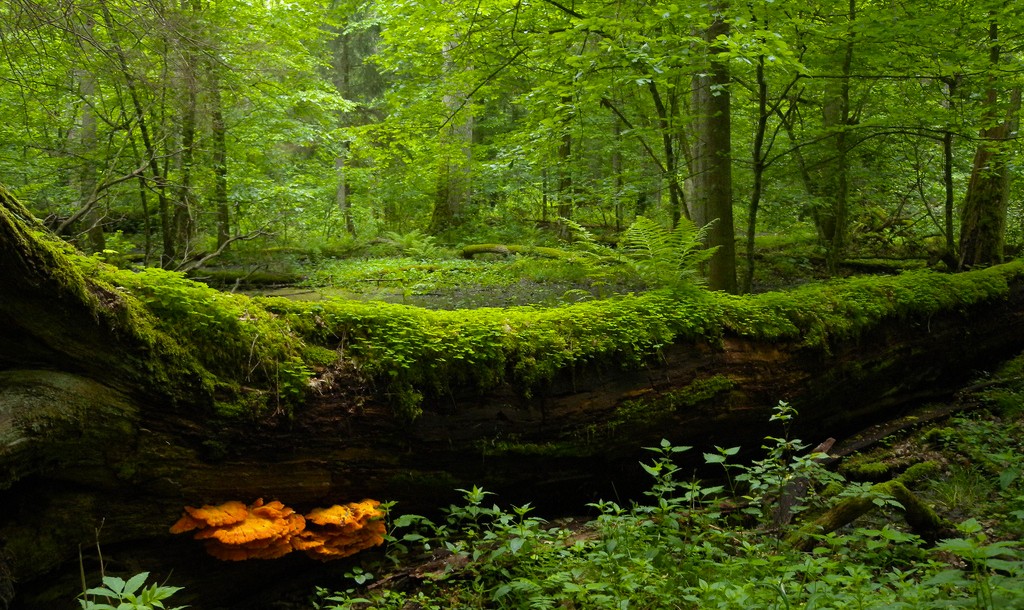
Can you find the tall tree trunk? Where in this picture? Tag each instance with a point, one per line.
(712, 157)
(183, 220)
(86, 145)
(616, 162)
(141, 121)
(454, 188)
(184, 217)
(342, 72)
(218, 136)
(677, 200)
(564, 165)
(983, 220)
(565, 176)
(838, 117)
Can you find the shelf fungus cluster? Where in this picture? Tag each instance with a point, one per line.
(234, 531)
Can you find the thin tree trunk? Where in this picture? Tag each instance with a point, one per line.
(616, 162)
(86, 145)
(565, 186)
(183, 218)
(218, 134)
(454, 181)
(158, 177)
(671, 168)
(342, 72)
(758, 159)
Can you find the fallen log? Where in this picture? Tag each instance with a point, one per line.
(473, 250)
(125, 396)
(922, 519)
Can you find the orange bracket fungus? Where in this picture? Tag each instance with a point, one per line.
(234, 531)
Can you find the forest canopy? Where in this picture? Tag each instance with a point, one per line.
(168, 132)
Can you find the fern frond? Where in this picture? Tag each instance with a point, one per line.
(665, 257)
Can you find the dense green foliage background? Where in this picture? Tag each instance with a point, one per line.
(165, 129)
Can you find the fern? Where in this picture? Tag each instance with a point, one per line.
(659, 257)
(665, 257)
(414, 244)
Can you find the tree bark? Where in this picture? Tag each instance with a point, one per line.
(97, 434)
(87, 144)
(711, 177)
(983, 221)
(838, 117)
(758, 167)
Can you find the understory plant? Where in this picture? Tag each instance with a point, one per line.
(131, 594)
(690, 544)
(658, 256)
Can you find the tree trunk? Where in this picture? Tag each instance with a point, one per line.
(564, 168)
(342, 72)
(711, 177)
(983, 220)
(837, 115)
(105, 428)
(218, 136)
(87, 145)
(758, 158)
(158, 176)
(454, 187)
(677, 200)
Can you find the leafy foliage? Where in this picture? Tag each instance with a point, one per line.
(131, 594)
(695, 545)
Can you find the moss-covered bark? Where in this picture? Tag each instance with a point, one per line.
(54, 316)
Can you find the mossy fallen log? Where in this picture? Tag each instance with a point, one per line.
(473, 250)
(922, 519)
(186, 395)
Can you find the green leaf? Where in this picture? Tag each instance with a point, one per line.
(134, 583)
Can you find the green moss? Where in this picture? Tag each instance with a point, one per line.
(919, 472)
(667, 403)
(315, 356)
(819, 314)
(865, 470)
(418, 354)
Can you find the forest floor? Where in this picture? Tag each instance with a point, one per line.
(713, 544)
(440, 279)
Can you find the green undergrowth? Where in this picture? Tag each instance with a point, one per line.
(273, 345)
(465, 284)
(691, 544)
